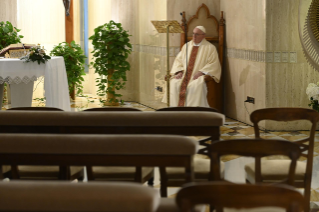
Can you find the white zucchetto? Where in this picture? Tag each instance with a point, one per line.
(201, 28)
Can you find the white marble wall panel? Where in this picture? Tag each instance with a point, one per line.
(243, 78)
(41, 22)
(244, 73)
(245, 23)
(151, 10)
(8, 11)
(286, 83)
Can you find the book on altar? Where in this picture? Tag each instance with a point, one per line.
(15, 47)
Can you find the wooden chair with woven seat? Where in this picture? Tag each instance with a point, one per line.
(121, 173)
(41, 172)
(256, 148)
(201, 165)
(240, 196)
(276, 170)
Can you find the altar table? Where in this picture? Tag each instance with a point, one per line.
(21, 76)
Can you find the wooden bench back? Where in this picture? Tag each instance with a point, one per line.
(239, 196)
(113, 122)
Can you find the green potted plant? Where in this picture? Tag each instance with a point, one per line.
(74, 59)
(111, 49)
(8, 34)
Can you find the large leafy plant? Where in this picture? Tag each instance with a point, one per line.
(74, 59)
(8, 34)
(111, 49)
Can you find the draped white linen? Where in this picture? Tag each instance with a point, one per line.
(15, 71)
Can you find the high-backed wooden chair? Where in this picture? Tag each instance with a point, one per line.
(215, 33)
(100, 150)
(256, 148)
(240, 196)
(276, 170)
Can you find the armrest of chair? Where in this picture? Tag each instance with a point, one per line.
(208, 78)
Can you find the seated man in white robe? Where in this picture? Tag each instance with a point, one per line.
(188, 88)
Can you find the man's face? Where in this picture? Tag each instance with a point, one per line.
(198, 35)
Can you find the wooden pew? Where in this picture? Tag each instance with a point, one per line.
(169, 123)
(160, 122)
(100, 150)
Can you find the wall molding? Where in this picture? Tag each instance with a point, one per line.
(156, 50)
(246, 54)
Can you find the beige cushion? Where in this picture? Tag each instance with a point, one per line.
(46, 171)
(169, 205)
(112, 118)
(79, 197)
(113, 172)
(201, 170)
(275, 170)
(97, 144)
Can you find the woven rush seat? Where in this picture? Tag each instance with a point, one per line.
(275, 170)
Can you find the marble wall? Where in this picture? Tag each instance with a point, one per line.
(8, 11)
(286, 80)
(244, 73)
(41, 22)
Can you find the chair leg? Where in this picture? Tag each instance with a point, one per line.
(150, 182)
(89, 171)
(307, 195)
(15, 172)
(138, 174)
(163, 181)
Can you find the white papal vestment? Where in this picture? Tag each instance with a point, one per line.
(206, 62)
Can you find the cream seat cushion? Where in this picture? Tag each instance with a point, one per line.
(275, 170)
(169, 205)
(201, 170)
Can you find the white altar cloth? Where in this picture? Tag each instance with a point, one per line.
(15, 71)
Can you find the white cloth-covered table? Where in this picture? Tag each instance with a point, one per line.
(15, 71)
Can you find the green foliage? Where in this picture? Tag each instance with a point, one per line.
(36, 54)
(74, 59)
(314, 104)
(111, 49)
(8, 34)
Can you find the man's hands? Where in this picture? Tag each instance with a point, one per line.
(179, 75)
(198, 74)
